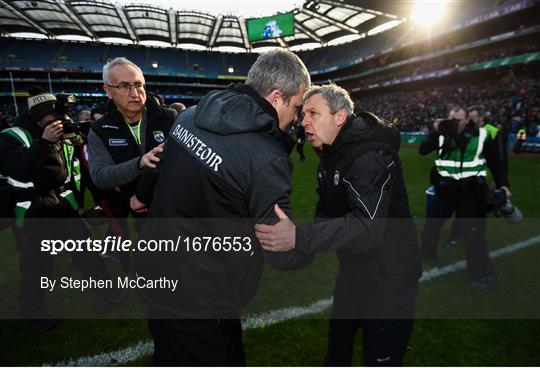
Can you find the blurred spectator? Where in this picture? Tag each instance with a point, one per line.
(178, 106)
(510, 102)
(97, 113)
(84, 115)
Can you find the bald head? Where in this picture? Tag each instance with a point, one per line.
(459, 114)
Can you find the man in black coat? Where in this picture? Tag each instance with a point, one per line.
(363, 214)
(224, 161)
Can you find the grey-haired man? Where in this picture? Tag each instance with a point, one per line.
(129, 137)
(225, 159)
(362, 214)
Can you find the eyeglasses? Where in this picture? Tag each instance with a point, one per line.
(125, 87)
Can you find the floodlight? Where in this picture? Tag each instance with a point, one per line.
(426, 13)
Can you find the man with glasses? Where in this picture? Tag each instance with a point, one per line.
(129, 137)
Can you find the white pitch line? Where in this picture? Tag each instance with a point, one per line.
(142, 348)
(436, 272)
(273, 317)
(117, 357)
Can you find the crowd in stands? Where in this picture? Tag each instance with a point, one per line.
(511, 101)
(507, 50)
(453, 61)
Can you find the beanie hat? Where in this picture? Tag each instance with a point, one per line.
(40, 104)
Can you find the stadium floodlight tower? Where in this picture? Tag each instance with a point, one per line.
(427, 13)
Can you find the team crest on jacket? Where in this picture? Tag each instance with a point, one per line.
(336, 178)
(159, 136)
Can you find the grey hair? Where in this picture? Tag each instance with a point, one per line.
(336, 97)
(114, 62)
(477, 108)
(278, 69)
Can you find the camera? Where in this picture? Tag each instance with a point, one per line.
(62, 109)
(64, 102)
(503, 207)
(71, 127)
(448, 127)
(511, 213)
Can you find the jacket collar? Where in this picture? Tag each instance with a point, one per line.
(152, 110)
(263, 104)
(329, 149)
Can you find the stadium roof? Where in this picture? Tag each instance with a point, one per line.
(317, 23)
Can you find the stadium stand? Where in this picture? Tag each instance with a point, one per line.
(91, 57)
(406, 77)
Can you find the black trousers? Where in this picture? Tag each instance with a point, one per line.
(384, 344)
(468, 202)
(34, 264)
(197, 342)
(454, 231)
(385, 318)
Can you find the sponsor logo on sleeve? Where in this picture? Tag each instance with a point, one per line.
(117, 142)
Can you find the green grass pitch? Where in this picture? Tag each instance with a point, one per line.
(495, 327)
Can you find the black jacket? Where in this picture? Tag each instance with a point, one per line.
(112, 127)
(363, 209)
(222, 161)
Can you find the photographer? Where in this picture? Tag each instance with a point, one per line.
(37, 160)
(477, 116)
(459, 177)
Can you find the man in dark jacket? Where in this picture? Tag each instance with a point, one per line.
(363, 214)
(38, 162)
(224, 160)
(126, 140)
